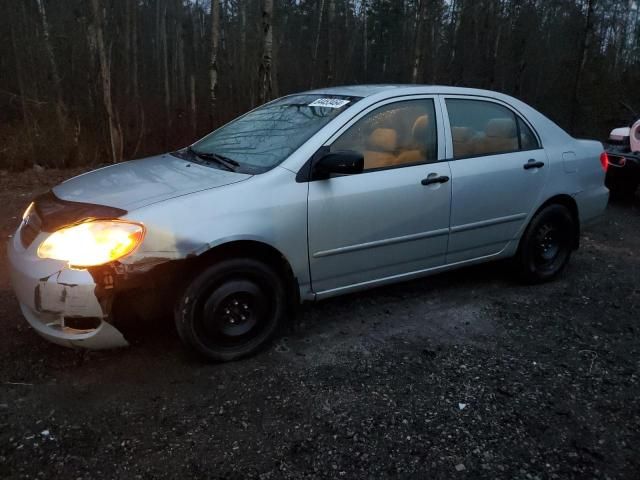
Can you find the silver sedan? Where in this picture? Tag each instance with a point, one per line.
(309, 196)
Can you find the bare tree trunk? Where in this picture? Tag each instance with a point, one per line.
(182, 68)
(242, 67)
(316, 46)
(265, 90)
(115, 137)
(128, 12)
(193, 104)
(496, 47)
(195, 68)
(416, 71)
(175, 77)
(243, 28)
(624, 29)
(61, 108)
(586, 42)
(365, 37)
(213, 60)
(135, 81)
(456, 14)
(134, 55)
(331, 56)
(634, 31)
(22, 91)
(164, 61)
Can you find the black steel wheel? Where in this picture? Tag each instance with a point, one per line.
(231, 310)
(546, 246)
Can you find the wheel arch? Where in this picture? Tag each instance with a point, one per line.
(569, 202)
(257, 250)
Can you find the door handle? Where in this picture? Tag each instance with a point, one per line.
(533, 164)
(431, 180)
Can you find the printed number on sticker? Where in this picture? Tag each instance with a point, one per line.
(329, 102)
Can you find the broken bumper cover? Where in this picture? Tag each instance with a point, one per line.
(56, 299)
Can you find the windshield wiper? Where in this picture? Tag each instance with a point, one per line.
(228, 163)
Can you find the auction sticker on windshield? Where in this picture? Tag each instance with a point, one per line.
(329, 102)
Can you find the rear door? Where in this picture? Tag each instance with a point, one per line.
(498, 173)
(393, 218)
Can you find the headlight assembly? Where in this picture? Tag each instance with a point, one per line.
(92, 243)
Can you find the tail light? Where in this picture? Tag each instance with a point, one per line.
(604, 161)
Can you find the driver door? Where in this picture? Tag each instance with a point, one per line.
(391, 220)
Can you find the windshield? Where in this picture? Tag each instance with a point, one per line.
(266, 136)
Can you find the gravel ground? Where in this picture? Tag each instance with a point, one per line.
(461, 375)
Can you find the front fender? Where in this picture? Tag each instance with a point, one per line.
(270, 208)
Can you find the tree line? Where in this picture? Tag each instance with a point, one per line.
(92, 81)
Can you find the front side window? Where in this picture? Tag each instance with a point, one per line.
(265, 137)
(486, 128)
(396, 134)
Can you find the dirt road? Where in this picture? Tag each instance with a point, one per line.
(462, 375)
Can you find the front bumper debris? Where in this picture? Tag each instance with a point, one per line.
(60, 303)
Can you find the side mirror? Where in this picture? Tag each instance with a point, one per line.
(345, 162)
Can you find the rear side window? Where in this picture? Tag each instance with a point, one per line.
(395, 135)
(486, 128)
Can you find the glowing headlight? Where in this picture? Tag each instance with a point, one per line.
(92, 243)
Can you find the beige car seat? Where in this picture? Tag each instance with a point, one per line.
(380, 148)
(463, 143)
(418, 150)
(501, 135)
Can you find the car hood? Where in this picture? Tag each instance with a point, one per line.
(134, 184)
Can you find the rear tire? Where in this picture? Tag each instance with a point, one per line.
(231, 309)
(546, 246)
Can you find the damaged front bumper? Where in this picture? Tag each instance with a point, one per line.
(60, 303)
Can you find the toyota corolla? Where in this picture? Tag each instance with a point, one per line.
(307, 197)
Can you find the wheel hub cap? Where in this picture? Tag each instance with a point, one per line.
(236, 314)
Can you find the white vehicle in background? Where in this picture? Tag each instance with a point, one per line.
(623, 152)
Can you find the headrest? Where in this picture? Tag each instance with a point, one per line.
(461, 134)
(383, 140)
(501, 128)
(419, 130)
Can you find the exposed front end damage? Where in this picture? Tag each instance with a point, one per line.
(73, 307)
(77, 308)
(61, 304)
(85, 307)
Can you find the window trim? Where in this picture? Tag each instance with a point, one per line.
(514, 111)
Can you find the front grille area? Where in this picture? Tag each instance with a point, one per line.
(56, 213)
(84, 323)
(28, 234)
(51, 213)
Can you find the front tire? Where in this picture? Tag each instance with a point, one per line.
(231, 309)
(546, 246)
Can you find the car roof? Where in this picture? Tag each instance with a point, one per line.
(395, 89)
(384, 91)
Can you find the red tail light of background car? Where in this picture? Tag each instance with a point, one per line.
(604, 161)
